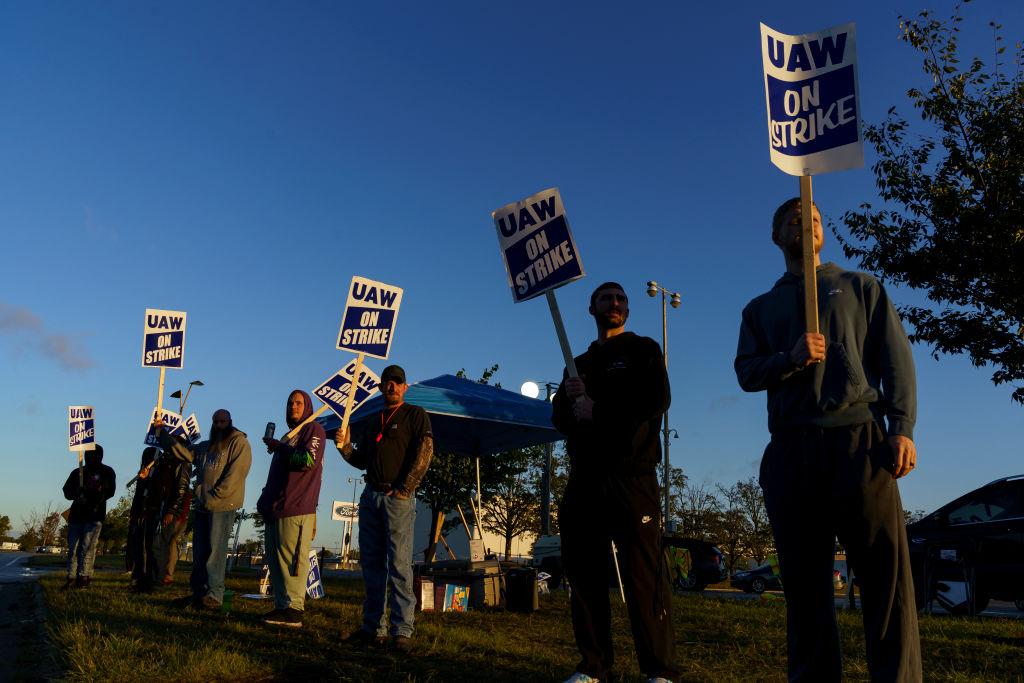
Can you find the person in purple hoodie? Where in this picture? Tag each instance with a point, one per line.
(288, 506)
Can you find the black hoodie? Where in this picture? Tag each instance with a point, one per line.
(90, 500)
(625, 376)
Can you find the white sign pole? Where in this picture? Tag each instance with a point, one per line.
(160, 391)
(563, 339)
(810, 275)
(352, 393)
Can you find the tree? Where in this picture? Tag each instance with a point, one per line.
(512, 507)
(699, 512)
(5, 527)
(953, 220)
(114, 535)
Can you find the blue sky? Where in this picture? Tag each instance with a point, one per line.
(241, 161)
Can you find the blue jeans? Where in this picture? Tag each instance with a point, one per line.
(385, 555)
(83, 537)
(211, 531)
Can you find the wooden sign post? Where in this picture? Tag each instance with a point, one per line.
(807, 239)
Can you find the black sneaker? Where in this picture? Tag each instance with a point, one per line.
(402, 644)
(292, 618)
(68, 585)
(363, 638)
(82, 582)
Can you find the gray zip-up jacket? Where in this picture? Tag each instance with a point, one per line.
(220, 469)
(868, 373)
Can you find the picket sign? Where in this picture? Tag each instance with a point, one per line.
(81, 434)
(814, 124)
(163, 344)
(540, 254)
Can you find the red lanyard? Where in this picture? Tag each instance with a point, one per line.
(384, 423)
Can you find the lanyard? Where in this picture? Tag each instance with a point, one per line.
(384, 423)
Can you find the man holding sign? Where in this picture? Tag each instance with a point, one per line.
(395, 449)
(610, 416)
(841, 412)
(89, 487)
(288, 505)
(221, 466)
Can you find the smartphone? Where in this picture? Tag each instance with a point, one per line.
(268, 433)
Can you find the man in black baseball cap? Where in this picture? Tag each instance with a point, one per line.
(395, 449)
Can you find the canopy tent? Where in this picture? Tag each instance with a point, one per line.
(469, 418)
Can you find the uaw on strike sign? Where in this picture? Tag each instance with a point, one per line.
(371, 312)
(335, 390)
(81, 428)
(539, 251)
(163, 341)
(813, 102)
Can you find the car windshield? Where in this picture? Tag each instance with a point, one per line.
(1003, 501)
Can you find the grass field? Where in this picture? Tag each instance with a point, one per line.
(106, 633)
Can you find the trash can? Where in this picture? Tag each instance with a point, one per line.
(521, 590)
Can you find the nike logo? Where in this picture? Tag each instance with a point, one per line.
(834, 291)
(645, 519)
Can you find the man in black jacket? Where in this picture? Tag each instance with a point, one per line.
(610, 416)
(89, 488)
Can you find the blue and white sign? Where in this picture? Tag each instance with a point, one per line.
(539, 251)
(314, 586)
(335, 390)
(81, 428)
(371, 312)
(810, 84)
(192, 432)
(163, 342)
(173, 423)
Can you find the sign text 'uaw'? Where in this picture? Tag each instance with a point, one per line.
(334, 391)
(81, 428)
(173, 423)
(192, 430)
(813, 100)
(539, 251)
(163, 342)
(371, 312)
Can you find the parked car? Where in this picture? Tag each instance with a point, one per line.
(980, 533)
(757, 580)
(706, 563)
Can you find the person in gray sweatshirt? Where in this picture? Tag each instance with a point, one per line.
(841, 410)
(221, 466)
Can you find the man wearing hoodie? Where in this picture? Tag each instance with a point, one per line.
(395, 448)
(841, 411)
(610, 416)
(221, 466)
(89, 488)
(288, 505)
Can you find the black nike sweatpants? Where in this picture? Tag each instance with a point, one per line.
(592, 515)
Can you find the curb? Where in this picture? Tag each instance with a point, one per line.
(47, 668)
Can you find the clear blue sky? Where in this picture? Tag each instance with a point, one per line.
(241, 161)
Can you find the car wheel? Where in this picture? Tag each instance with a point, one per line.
(980, 603)
(1019, 604)
(758, 585)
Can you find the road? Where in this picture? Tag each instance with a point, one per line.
(13, 568)
(996, 608)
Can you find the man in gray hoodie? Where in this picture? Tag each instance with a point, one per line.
(221, 466)
(841, 412)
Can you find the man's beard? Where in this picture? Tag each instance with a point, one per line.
(605, 322)
(218, 433)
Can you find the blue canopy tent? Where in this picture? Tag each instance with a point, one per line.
(471, 419)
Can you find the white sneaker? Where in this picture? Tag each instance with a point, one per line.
(658, 679)
(581, 678)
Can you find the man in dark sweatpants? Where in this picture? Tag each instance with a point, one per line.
(610, 416)
(841, 411)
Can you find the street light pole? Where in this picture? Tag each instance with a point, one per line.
(532, 390)
(351, 520)
(674, 299)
